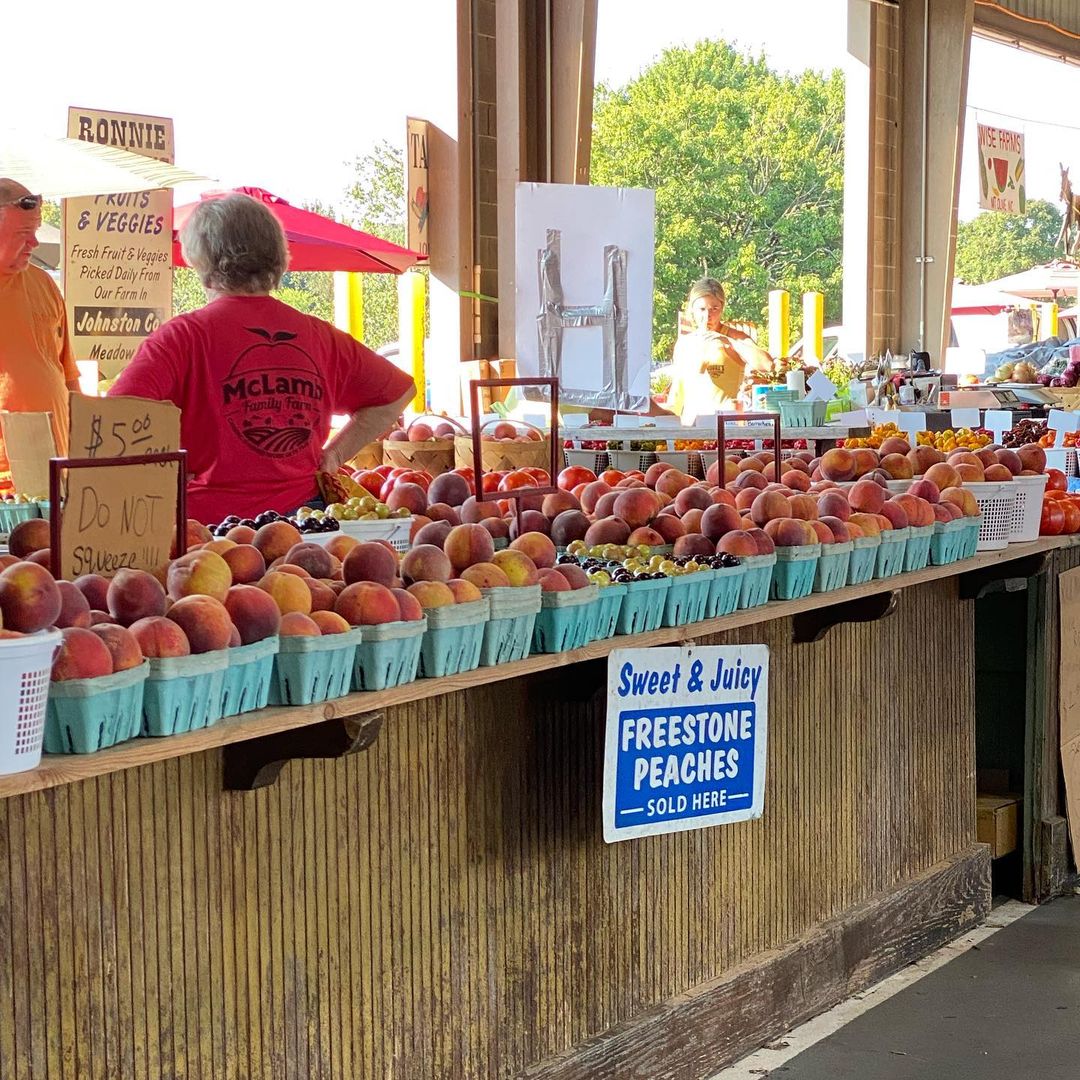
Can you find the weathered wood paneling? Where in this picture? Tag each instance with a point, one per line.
(443, 905)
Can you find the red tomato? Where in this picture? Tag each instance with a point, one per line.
(612, 476)
(519, 478)
(574, 475)
(413, 477)
(1053, 519)
(539, 475)
(634, 474)
(492, 480)
(1072, 516)
(370, 480)
(383, 470)
(1056, 480)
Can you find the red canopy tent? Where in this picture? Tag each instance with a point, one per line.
(315, 242)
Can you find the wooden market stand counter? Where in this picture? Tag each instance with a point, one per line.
(442, 905)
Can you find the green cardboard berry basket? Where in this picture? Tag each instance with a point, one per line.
(643, 606)
(453, 639)
(509, 630)
(890, 556)
(917, 551)
(863, 564)
(308, 670)
(563, 620)
(970, 536)
(246, 684)
(184, 693)
(795, 571)
(12, 513)
(757, 580)
(833, 566)
(87, 715)
(724, 590)
(605, 612)
(687, 598)
(388, 655)
(947, 542)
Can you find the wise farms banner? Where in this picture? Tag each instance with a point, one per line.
(118, 248)
(1001, 170)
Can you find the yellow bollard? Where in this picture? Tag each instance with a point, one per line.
(411, 301)
(813, 305)
(1048, 320)
(356, 306)
(779, 322)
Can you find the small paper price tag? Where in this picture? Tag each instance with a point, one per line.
(855, 418)
(1061, 422)
(883, 416)
(575, 420)
(631, 420)
(912, 422)
(997, 422)
(820, 387)
(968, 418)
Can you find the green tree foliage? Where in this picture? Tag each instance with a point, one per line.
(994, 245)
(747, 165)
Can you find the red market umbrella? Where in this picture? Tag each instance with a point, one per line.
(315, 242)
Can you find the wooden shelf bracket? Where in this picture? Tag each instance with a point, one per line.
(257, 763)
(1001, 577)
(813, 625)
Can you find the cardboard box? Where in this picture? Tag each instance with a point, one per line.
(997, 819)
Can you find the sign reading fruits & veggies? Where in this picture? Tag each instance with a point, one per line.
(118, 517)
(686, 738)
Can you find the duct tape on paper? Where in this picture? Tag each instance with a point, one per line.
(557, 318)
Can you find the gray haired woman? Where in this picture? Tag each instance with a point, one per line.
(257, 381)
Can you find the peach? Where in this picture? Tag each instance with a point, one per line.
(411, 497)
(913, 507)
(367, 603)
(552, 581)
(997, 473)
(692, 498)
(737, 543)
(485, 576)
(752, 464)
(796, 480)
(282, 567)
(1010, 459)
(160, 637)
(719, 519)
(923, 458)
(472, 511)
(426, 563)
(894, 445)
(790, 532)
(81, 655)
(1032, 457)
(274, 539)
(965, 457)
(465, 592)
(313, 558)
(100, 618)
(971, 474)
(895, 512)
(655, 471)
(122, 645)
(605, 505)
(868, 523)
(669, 527)
(609, 530)
(867, 497)
(834, 504)
(432, 594)
(648, 536)
(943, 475)
(443, 512)
(897, 466)
(958, 496)
(29, 598)
(569, 526)
(692, 520)
(245, 563)
(241, 534)
(836, 526)
(322, 595)
(854, 532)
(220, 545)
(823, 532)
(204, 620)
(731, 470)
(28, 537)
(340, 545)
(926, 490)
(672, 482)
(987, 455)
(768, 505)
(539, 548)
(449, 488)
(329, 622)
(195, 533)
(884, 523)
(288, 591)
(433, 532)
(517, 566)
(838, 464)
(409, 609)
(530, 521)
(74, 607)
(746, 498)
(803, 507)
(558, 502)
(41, 558)
(370, 561)
(575, 576)
(498, 527)
(637, 507)
(591, 494)
(693, 544)
(764, 541)
(296, 624)
(467, 544)
(199, 573)
(253, 612)
(750, 479)
(866, 461)
(95, 588)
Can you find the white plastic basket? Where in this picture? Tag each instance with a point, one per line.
(997, 502)
(597, 460)
(1027, 510)
(25, 671)
(1063, 459)
(631, 460)
(394, 530)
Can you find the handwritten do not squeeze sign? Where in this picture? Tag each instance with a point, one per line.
(118, 517)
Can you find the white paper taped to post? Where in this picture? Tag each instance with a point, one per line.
(583, 292)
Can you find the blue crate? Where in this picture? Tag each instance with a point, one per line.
(890, 556)
(917, 550)
(388, 655)
(308, 670)
(863, 563)
(643, 606)
(687, 598)
(87, 715)
(947, 542)
(757, 580)
(794, 573)
(247, 678)
(724, 590)
(833, 566)
(564, 620)
(453, 639)
(184, 693)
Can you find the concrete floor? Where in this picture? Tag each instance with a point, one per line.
(1007, 1008)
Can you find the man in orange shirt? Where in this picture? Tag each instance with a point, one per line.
(37, 368)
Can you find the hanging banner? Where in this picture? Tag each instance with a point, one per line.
(416, 183)
(1001, 170)
(686, 738)
(118, 248)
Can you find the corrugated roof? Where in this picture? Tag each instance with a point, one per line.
(1042, 19)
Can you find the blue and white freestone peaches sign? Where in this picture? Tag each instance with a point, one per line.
(686, 738)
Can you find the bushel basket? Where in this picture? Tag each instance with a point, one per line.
(499, 455)
(428, 455)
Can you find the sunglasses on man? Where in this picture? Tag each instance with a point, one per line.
(25, 202)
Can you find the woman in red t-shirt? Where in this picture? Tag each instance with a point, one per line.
(257, 381)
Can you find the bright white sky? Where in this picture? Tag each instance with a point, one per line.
(283, 101)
